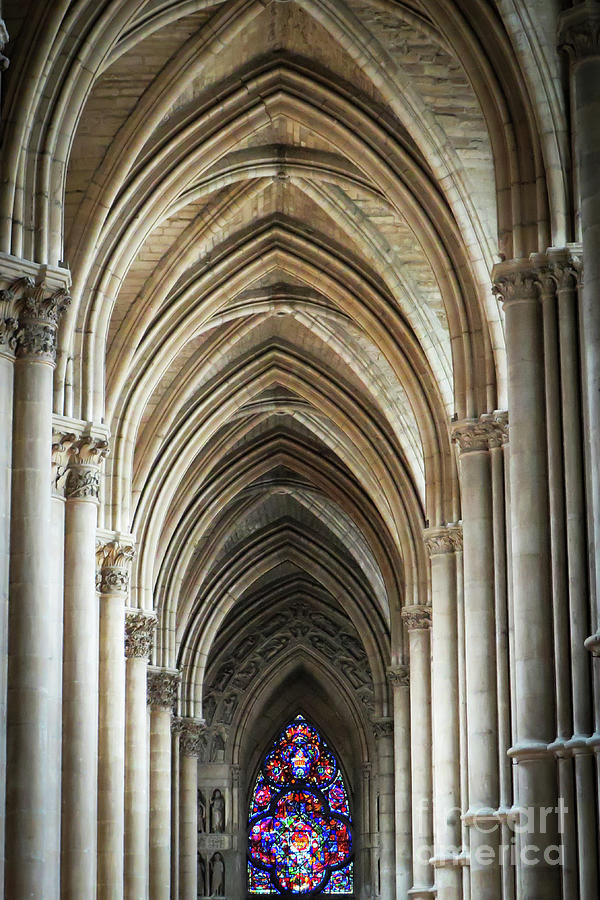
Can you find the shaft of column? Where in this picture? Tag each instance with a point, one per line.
(113, 558)
(399, 678)
(473, 438)
(31, 629)
(383, 729)
(80, 673)
(537, 786)
(579, 36)
(60, 448)
(139, 633)
(8, 331)
(441, 544)
(162, 696)
(190, 746)
(418, 622)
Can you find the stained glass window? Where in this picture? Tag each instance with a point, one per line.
(300, 829)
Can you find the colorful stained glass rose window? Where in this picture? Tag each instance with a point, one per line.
(300, 830)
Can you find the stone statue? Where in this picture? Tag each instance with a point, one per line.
(217, 813)
(202, 883)
(201, 812)
(217, 876)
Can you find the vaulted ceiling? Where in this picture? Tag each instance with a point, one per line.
(280, 219)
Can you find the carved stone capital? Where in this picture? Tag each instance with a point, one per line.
(162, 687)
(447, 539)
(473, 435)
(113, 559)
(83, 476)
(516, 284)
(399, 676)
(501, 420)
(139, 633)
(39, 315)
(417, 618)
(579, 31)
(191, 736)
(383, 727)
(61, 442)
(8, 322)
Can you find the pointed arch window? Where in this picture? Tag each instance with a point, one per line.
(300, 826)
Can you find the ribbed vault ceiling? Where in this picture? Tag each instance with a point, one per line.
(280, 218)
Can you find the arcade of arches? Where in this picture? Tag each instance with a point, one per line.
(300, 416)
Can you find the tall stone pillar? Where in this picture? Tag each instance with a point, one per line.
(190, 746)
(441, 544)
(579, 36)
(383, 729)
(31, 628)
(418, 622)
(472, 437)
(8, 341)
(539, 875)
(80, 672)
(139, 633)
(162, 696)
(113, 558)
(399, 678)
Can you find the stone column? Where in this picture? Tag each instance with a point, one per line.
(162, 696)
(31, 628)
(383, 729)
(399, 678)
(579, 36)
(8, 341)
(190, 746)
(139, 633)
(80, 672)
(566, 273)
(113, 558)
(418, 622)
(441, 544)
(472, 437)
(534, 666)
(61, 443)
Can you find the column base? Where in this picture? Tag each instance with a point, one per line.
(417, 892)
(593, 644)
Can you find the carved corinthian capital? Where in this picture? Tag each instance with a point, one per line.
(113, 559)
(475, 434)
(8, 323)
(399, 676)
(516, 284)
(443, 540)
(191, 735)
(162, 687)
(579, 31)
(40, 311)
(383, 727)
(417, 618)
(83, 475)
(139, 633)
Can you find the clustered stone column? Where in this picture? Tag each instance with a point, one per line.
(190, 746)
(399, 678)
(473, 437)
(442, 544)
(162, 696)
(383, 730)
(418, 622)
(113, 559)
(139, 634)
(80, 671)
(31, 629)
(8, 343)
(533, 644)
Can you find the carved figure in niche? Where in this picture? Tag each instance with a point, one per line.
(227, 708)
(201, 812)
(218, 749)
(217, 876)
(217, 813)
(275, 646)
(202, 883)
